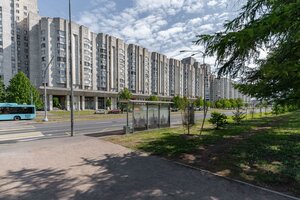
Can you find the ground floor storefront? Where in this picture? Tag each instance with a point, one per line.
(60, 99)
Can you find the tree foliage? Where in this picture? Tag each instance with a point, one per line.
(20, 90)
(199, 102)
(125, 94)
(238, 116)
(180, 102)
(229, 103)
(262, 25)
(108, 103)
(218, 119)
(2, 91)
(153, 98)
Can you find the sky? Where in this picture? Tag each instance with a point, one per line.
(164, 26)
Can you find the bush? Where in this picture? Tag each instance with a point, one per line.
(238, 116)
(218, 119)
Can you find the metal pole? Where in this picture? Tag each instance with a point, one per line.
(71, 71)
(45, 91)
(204, 94)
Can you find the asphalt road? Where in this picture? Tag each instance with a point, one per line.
(13, 131)
(86, 127)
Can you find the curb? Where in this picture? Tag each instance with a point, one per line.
(233, 180)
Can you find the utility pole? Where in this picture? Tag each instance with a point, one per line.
(71, 71)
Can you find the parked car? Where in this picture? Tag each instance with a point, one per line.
(174, 109)
(114, 111)
(101, 111)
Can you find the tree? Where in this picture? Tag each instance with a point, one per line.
(239, 103)
(199, 102)
(218, 104)
(21, 91)
(2, 91)
(227, 103)
(270, 26)
(218, 119)
(153, 98)
(56, 102)
(125, 94)
(238, 116)
(184, 103)
(176, 102)
(108, 102)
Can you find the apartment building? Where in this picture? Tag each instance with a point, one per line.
(159, 74)
(14, 33)
(102, 65)
(175, 77)
(139, 69)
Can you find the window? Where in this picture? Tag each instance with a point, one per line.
(25, 7)
(61, 59)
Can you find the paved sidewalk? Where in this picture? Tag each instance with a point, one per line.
(89, 168)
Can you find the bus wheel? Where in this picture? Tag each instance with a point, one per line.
(16, 118)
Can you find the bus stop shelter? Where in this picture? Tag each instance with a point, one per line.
(147, 115)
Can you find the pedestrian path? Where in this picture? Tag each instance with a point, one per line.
(18, 131)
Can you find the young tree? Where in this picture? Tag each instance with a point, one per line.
(269, 26)
(108, 103)
(239, 103)
(199, 102)
(227, 103)
(125, 94)
(20, 90)
(56, 102)
(218, 119)
(2, 91)
(177, 101)
(153, 98)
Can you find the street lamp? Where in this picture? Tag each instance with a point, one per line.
(195, 52)
(71, 71)
(45, 90)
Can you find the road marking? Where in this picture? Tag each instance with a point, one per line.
(17, 129)
(19, 136)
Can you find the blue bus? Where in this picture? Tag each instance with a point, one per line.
(13, 111)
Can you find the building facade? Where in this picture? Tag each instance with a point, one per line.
(102, 65)
(14, 36)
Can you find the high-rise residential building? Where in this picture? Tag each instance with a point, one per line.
(102, 65)
(14, 44)
(159, 74)
(188, 81)
(139, 69)
(175, 77)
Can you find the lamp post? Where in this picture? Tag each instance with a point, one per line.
(71, 71)
(45, 90)
(205, 109)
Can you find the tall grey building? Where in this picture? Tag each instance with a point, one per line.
(175, 77)
(102, 65)
(159, 74)
(14, 44)
(139, 69)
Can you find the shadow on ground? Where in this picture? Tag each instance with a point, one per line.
(130, 176)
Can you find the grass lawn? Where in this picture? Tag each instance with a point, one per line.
(264, 150)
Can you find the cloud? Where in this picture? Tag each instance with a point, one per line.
(165, 26)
